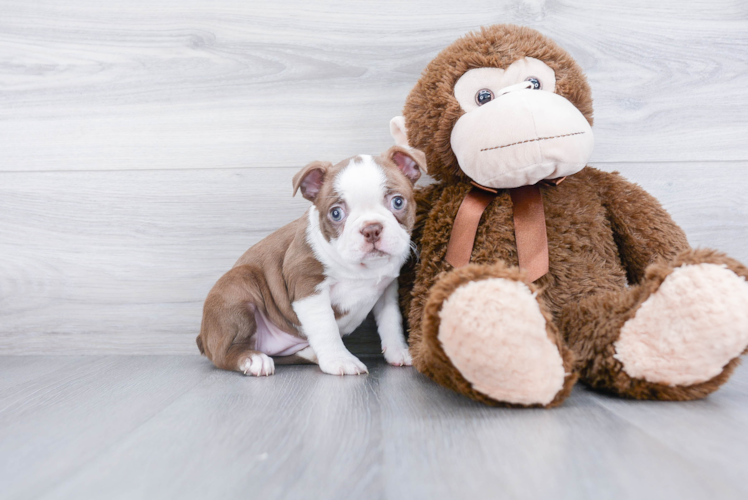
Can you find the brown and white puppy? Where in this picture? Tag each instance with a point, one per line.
(298, 291)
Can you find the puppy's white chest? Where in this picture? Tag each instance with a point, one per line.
(355, 299)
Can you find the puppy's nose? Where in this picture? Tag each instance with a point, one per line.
(371, 232)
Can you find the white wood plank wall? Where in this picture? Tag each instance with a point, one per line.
(144, 145)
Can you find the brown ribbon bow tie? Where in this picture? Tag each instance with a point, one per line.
(529, 227)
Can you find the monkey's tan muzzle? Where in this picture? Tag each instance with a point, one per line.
(522, 137)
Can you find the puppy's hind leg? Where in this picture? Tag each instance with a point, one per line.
(229, 323)
(256, 363)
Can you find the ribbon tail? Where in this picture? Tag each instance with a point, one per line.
(465, 226)
(530, 231)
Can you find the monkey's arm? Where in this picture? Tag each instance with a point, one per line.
(644, 232)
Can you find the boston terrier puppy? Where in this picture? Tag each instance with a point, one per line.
(293, 295)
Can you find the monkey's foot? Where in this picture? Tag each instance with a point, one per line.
(687, 331)
(495, 334)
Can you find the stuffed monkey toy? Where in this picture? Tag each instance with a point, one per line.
(537, 270)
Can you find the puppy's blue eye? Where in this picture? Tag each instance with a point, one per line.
(336, 214)
(398, 202)
(483, 96)
(535, 82)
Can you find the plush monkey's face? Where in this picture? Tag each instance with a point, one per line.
(516, 131)
(500, 116)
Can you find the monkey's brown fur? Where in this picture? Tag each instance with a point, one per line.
(611, 244)
(431, 109)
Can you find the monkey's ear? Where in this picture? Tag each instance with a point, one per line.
(310, 179)
(399, 132)
(411, 162)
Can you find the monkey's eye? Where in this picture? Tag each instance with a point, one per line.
(483, 96)
(336, 214)
(535, 82)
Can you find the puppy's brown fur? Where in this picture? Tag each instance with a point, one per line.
(258, 280)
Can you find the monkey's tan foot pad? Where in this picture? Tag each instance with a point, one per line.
(495, 334)
(689, 329)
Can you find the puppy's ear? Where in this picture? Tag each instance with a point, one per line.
(399, 132)
(310, 179)
(411, 162)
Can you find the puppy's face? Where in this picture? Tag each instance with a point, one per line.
(364, 205)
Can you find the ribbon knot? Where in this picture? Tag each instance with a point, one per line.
(529, 227)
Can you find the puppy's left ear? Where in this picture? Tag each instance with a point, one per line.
(310, 179)
(410, 161)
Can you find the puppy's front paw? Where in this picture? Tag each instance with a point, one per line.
(258, 364)
(341, 364)
(398, 356)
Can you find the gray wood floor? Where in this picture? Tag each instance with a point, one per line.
(89, 427)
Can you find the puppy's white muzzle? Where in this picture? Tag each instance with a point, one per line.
(358, 244)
